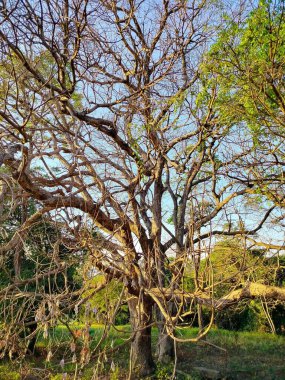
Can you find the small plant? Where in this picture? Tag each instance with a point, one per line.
(164, 372)
(115, 374)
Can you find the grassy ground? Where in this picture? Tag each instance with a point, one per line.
(247, 355)
(237, 355)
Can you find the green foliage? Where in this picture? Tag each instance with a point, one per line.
(246, 68)
(230, 265)
(38, 249)
(39, 301)
(115, 374)
(163, 372)
(103, 305)
(248, 316)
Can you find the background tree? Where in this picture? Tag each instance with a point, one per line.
(248, 63)
(233, 262)
(38, 283)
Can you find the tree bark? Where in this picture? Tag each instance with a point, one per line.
(165, 348)
(142, 363)
(200, 318)
(165, 344)
(33, 340)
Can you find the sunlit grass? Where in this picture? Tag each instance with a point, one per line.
(240, 355)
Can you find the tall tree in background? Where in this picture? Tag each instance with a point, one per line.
(107, 121)
(248, 62)
(38, 282)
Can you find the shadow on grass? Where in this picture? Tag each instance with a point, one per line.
(243, 355)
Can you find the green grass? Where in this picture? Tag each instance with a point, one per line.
(247, 355)
(8, 371)
(237, 355)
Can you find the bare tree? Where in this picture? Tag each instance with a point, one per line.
(106, 120)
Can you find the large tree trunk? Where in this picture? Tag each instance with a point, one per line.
(141, 356)
(200, 318)
(165, 344)
(165, 348)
